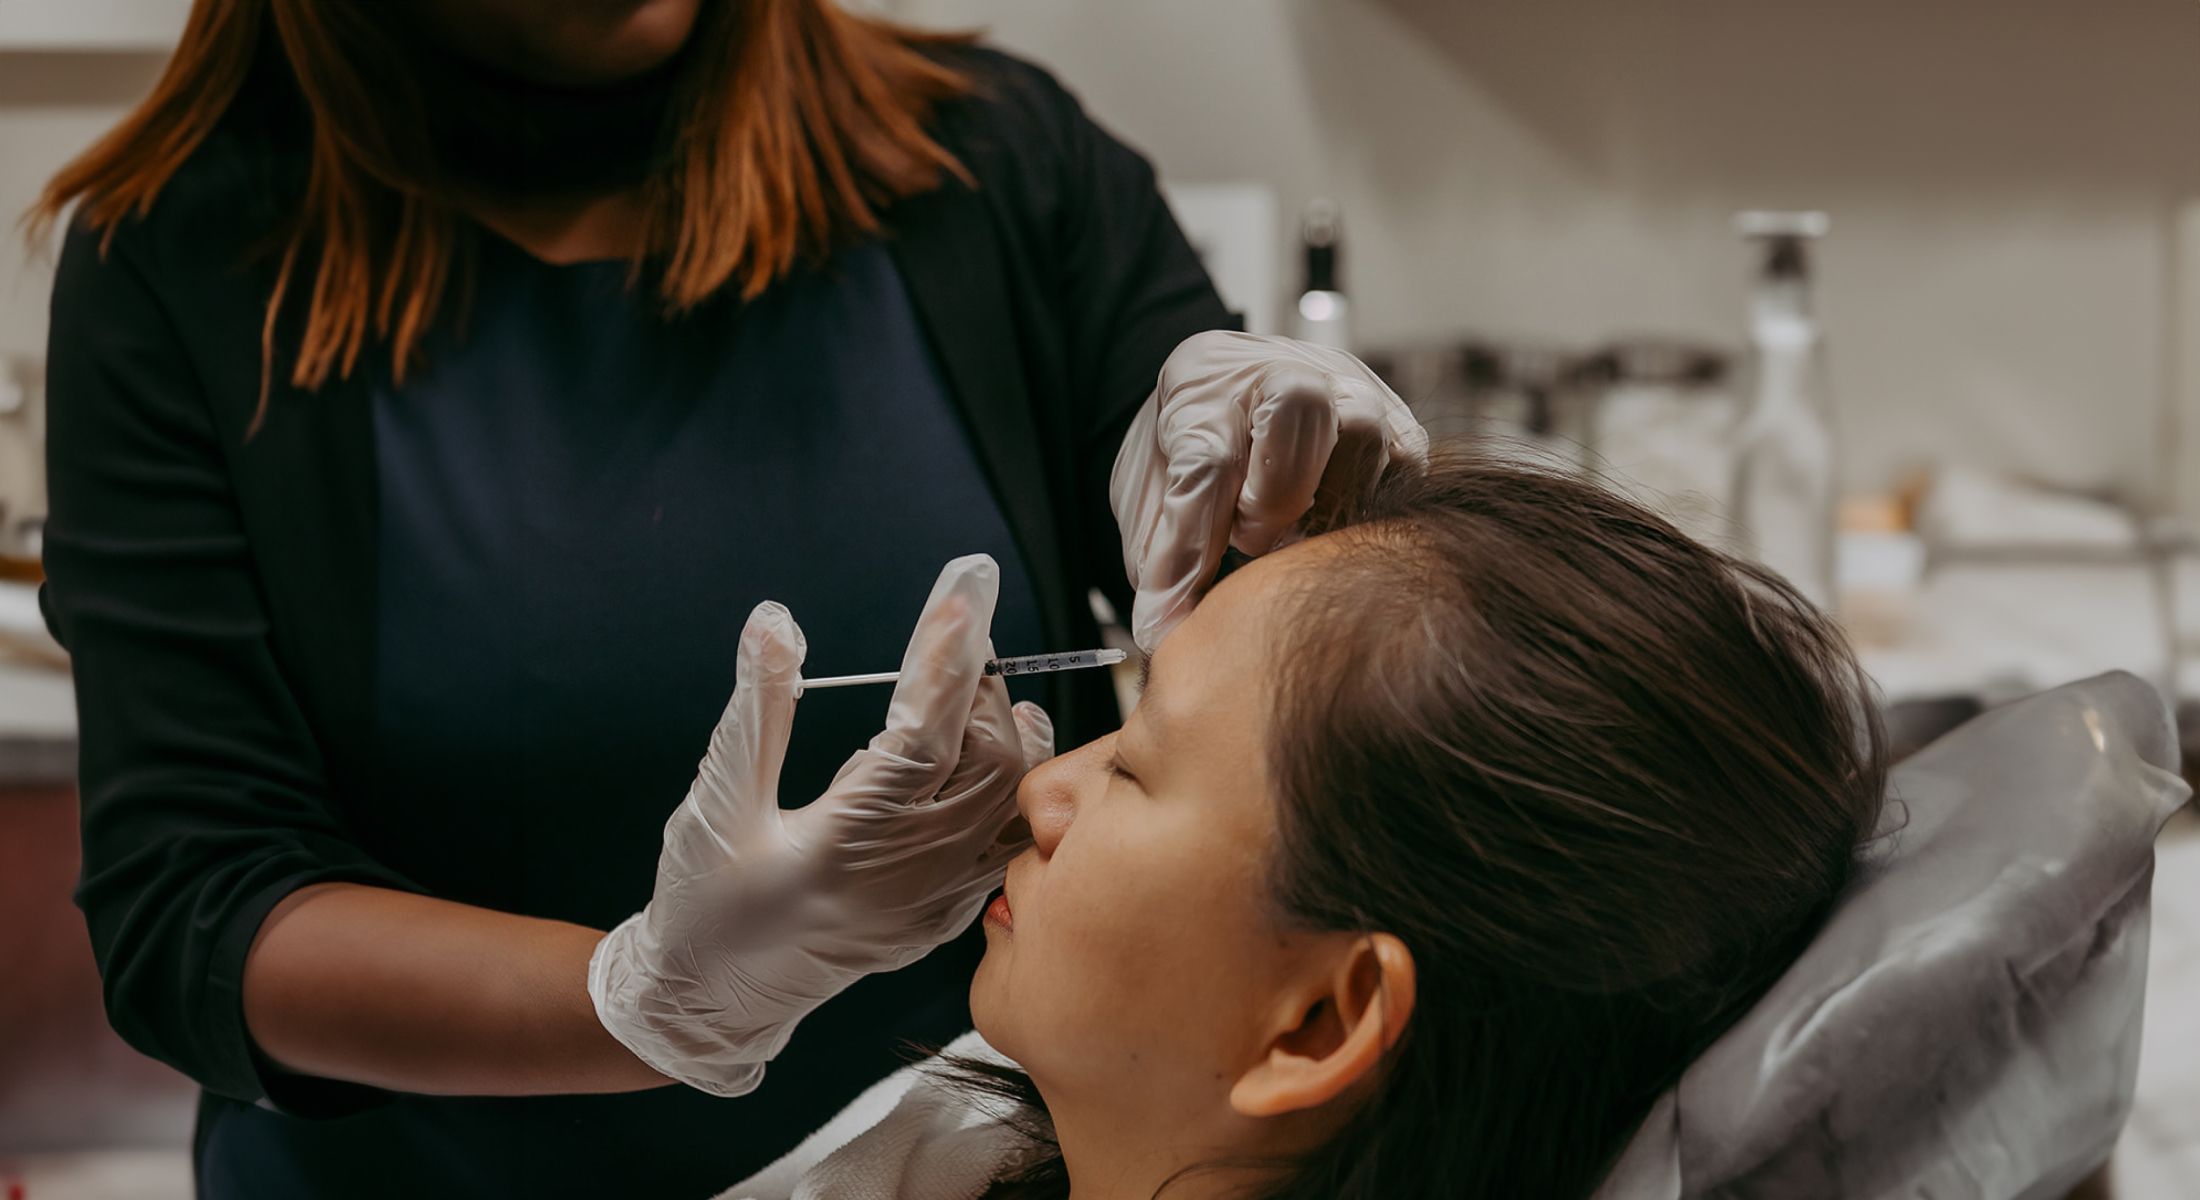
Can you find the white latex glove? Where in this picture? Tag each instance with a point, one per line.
(1238, 438)
(762, 914)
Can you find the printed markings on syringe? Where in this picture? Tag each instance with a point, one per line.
(1032, 664)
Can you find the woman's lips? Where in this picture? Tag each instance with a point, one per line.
(997, 913)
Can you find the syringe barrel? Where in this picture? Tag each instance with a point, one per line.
(1032, 664)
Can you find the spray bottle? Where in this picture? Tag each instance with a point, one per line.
(1784, 482)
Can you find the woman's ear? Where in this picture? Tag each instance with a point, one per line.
(1335, 1032)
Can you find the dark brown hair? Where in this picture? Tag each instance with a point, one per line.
(794, 124)
(1604, 782)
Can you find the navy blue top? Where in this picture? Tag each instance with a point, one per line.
(579, 503)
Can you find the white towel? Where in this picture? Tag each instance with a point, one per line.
(909, 1137)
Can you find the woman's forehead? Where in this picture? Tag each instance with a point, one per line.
(1221, 657)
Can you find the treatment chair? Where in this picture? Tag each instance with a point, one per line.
(1967, 1023)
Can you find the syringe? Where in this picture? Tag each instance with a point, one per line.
(1027, 664)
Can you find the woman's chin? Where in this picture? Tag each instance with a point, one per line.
(988, 988)
(607, 42)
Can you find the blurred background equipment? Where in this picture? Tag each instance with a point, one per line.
(1663, 423)
(1523, 399)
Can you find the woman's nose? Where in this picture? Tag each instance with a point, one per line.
(1049, 794)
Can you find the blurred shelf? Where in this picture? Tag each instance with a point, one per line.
(91, 26)
(128, 1173)
(37, 720)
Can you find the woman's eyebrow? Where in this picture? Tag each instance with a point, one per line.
(1145, 673)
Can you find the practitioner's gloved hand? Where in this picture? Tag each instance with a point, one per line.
(762, 914)
(1240, 436)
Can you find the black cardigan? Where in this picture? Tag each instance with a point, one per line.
(216, 590)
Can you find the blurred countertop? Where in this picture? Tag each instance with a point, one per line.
(37, 704)
(37, 724)
(1997, 631)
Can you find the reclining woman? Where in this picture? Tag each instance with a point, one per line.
(1438, 845)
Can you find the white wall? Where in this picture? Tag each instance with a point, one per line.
(2002, 174)
(52, 105)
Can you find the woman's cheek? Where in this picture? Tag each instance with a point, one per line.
(1087, 912)
(1128, 907)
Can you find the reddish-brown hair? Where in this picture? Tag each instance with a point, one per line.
(794, 125)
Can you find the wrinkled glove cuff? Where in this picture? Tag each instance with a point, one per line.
(624, 996)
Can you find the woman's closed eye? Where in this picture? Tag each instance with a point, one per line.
(1120, 771)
